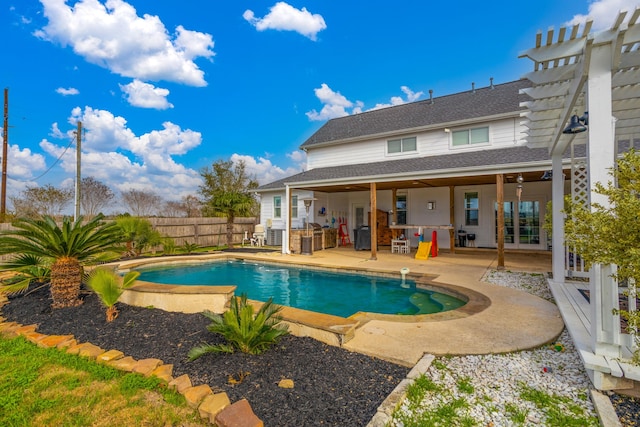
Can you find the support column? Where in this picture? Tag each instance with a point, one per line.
(557, 206)
(601, 159)
(452, 219)
(286, 249)
(500, 202)
(373, 226)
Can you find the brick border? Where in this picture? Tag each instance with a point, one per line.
(214, 407)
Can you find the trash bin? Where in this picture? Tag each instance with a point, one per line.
(306, 243)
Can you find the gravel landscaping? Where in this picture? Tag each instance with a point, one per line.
(335, 387)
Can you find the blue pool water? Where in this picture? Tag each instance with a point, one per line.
(340, 294)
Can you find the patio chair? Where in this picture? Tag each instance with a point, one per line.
(258, 236)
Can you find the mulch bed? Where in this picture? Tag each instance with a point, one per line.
(333, 386)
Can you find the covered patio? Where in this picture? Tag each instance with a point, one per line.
(586, 95)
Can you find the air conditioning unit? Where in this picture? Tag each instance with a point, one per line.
(274, 237)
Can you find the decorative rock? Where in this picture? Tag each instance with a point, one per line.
(194, 395)
(238, 414)
(164, 372)
(285, 383)
(34, 337)
(67, 344)
(146, 366)
(212, 405)
(54, 340)
(89, 350)
(23, 330)
(124, 364)
(110, 355)
(180, 384)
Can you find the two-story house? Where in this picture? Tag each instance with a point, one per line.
(443, 161)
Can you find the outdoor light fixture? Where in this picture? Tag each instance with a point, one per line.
(577, 124)
(519, 187)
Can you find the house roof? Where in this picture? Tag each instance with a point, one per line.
(480, 103)
(433, 171)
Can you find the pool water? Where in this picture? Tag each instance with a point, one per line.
(340, 294)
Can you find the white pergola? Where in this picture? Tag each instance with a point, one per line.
(599, 73)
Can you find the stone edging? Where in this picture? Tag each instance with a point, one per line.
(214, 407)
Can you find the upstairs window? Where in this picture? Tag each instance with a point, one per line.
(277, 207)
(470, 136)
(401, 145)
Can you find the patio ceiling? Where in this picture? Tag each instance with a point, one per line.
(509, 177)
(561, 70)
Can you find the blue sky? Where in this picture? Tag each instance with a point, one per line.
(164, 89)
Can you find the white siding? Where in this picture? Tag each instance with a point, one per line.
(502, 134)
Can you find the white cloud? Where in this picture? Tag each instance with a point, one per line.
(113, 36)
(604, 12)
(337, 105)
(67, 91)
(284, 17)
(22, 163)
(397, 100)
(263, 169)
(145, 95)
(112, 153)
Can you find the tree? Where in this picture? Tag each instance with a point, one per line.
(141, 203)
(192, 206)
(173, 209)
(137, 233)
(94, 196)
(227, 192)
(41, 201)
(610, 234)
(66, 248)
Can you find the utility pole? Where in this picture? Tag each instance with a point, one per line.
(5, 145)
(78, 154)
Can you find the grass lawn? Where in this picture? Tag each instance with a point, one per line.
(49, 387)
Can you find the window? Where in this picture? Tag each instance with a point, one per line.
(401, 209)
(401, 145)
(294, 206)
(470, 136)
(471, 209)
(277, 207)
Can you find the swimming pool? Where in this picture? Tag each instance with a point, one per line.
(323, 291)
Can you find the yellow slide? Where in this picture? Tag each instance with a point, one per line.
(424, 248)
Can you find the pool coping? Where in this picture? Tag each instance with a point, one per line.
(327, 328)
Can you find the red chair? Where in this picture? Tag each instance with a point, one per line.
(344, 235)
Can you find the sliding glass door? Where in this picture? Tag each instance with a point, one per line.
(521, 223)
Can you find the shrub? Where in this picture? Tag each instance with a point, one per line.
(242, 329)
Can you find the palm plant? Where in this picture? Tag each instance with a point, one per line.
(28, 268)
(242, 329)
(66, 248)
(137, 233)
(109, 286)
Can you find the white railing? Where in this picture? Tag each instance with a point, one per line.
(574, 265)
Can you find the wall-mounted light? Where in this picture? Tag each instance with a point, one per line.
(519, 186)
(447, 130)
(577, 124)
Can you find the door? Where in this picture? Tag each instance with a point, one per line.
(521, 224)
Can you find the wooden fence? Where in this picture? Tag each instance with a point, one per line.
(201, 231)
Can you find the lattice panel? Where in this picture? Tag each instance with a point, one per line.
(579, 180)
